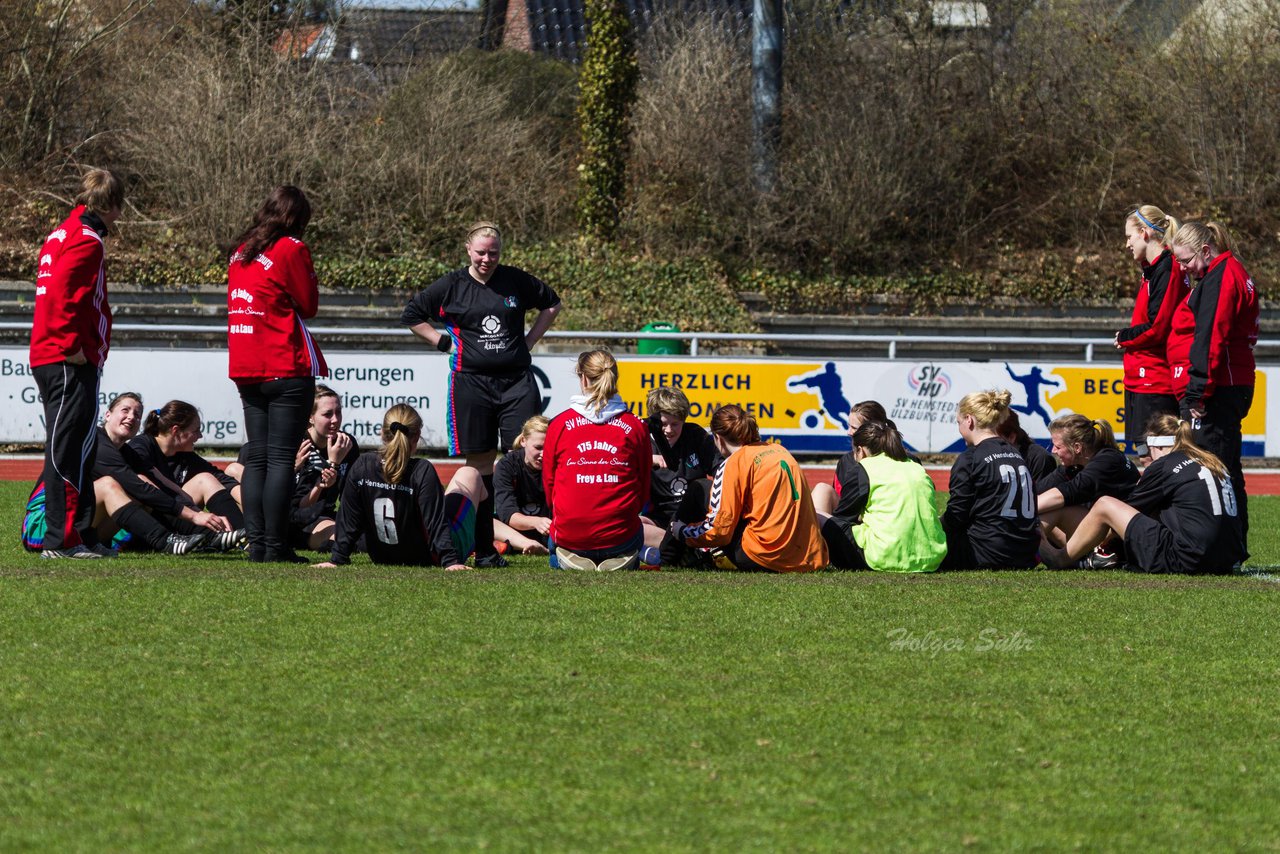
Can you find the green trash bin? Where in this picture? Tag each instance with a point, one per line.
(660, 346)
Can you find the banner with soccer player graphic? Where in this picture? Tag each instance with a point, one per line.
(802, 403)
(805, 404)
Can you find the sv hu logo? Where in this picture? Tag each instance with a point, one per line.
(929, 381)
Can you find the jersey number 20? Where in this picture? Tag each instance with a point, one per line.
(384, 521)
(1016, 477)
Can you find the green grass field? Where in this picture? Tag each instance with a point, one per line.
(155, 703)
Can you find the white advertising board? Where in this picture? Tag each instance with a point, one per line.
(801, 403)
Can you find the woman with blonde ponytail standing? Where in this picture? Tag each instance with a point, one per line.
(990, 520)
(395, 501)
(492, 392)
(1182, 516)
(1211, 349)
(1148, 380)
(595, 472)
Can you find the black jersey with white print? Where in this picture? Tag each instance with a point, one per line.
(1108, 473)
(485, 321)
(306, 477)
(692, 457)
(403, 523)
(1197, 506)
(518, 488)
(992, 504)
(123, 465)
(179, 468)
(1040, 462)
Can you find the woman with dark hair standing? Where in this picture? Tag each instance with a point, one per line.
(271, 290)
(492, 392)
(761, 510)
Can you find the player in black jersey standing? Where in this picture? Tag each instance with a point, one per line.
(1181, 517)
(990, 518)
(491, 389)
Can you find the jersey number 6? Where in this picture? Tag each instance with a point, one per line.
(384, 520)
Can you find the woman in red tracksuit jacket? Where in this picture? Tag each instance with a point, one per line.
(1148, 381)
(70, 336)
(595, 470)
(1211, 347)
(271, 290)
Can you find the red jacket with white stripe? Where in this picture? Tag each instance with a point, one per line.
(1144, 342)
(267, 301)
(72, 314)
(1214, 332)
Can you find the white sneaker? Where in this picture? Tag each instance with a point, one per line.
(75, 552)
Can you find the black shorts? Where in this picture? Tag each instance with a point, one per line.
(1140, 408)
(844, 552)
(1150, 547)
(960, 552)
(486, 411)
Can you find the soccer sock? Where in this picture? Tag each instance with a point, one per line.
(484, 520)
(222, 504)
(141, 524)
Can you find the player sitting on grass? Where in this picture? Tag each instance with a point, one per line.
(684, 460)
(523, 516)
(320, 467)
(1091, 468)
(394, 501)
(990, 518)
(1181, 517)
(596, 473)
(142, 500)
(885, 517)
(761, 512)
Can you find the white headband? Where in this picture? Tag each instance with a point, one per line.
(1160, 441)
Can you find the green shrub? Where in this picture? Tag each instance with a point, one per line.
(608, 90)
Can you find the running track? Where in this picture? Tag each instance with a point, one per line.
(1257, 481)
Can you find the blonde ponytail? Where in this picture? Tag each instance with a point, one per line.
(401, 427)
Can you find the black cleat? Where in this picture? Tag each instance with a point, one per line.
(180, 544)
(225, 541)
(1101, 560)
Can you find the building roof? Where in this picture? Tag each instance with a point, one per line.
(557, 27)
(383, 37)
